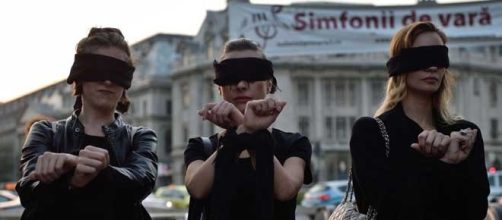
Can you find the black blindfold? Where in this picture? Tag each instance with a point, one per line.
(418, 58)
(94, 67)
(250, 69)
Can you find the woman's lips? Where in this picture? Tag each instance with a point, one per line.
(242, 99)
(430, 79)
(104, 91)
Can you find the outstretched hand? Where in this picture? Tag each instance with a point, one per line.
(91, 161)
(223, 114)
(460, 146)
(260, 114)
(432, 143)
(51, 166)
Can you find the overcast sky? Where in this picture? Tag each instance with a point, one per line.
(38, 37)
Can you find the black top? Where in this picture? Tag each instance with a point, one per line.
(243, 206)
(408, 185)
(94, 200)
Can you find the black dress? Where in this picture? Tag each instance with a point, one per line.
(408, 185)
(243, 203)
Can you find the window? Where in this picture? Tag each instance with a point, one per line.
(185, 93)
(352, 121)
(476, 87)
(340, 93)
(168, 140)
(328, 92)
(377, 91)
(345, 92)
(494, 128)
(493, 94)
(304, 125)
(344, 127)
(185, 132)
(303, 88)
(341, 129)
(329, 128)
(168, 108)
(351, 92)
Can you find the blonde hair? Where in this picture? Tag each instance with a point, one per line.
(396, 85)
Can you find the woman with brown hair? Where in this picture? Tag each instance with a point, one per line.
(253, 171)
(434, 167)
(92, 165)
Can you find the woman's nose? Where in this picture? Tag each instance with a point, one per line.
(432, 69)
(242, 84)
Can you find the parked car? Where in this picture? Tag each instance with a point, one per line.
(151, 201)
(9, 199)
(325, 194)
(176, 196)
(495, 180)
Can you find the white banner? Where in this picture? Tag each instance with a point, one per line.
(327, 29)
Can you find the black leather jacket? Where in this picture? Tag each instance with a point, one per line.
(126, 183)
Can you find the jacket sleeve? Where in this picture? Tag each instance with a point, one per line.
(135, 178)
(466, 183)
(369, 164)
(31, 193)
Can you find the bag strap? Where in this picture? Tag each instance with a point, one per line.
(385, 136)
(349, 193)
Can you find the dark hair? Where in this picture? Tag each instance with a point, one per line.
(103, 37)
(242, 44)
(99, 38)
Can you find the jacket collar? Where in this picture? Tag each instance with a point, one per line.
(77, 126)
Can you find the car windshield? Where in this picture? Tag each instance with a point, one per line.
(342, 188)
(491, 179)
(319, 188)
(4, 199)
(172, 194)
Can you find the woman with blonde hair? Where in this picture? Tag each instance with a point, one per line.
(433, 167)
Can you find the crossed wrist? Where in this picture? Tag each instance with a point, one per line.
(243, 129)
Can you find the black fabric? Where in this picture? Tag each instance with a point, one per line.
(232, 71)
(95, 199)
(286, 145)
(95, 67)
(418, 58)
(225, 171)
(408, 185)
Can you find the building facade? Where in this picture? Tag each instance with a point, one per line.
(325, 95)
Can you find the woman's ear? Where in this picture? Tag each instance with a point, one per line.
(269, 86)
(219, 90)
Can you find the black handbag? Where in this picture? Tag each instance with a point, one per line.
(347, 210)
